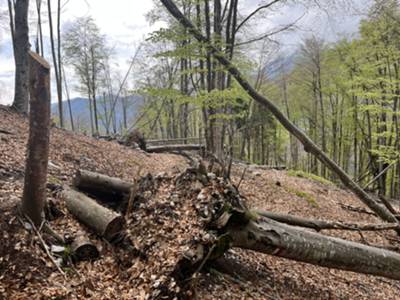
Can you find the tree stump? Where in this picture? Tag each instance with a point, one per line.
(34, 195)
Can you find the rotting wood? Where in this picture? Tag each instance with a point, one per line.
(319, 225)
(308, 144)
(83, 249)
(102, 220)
(34, 194)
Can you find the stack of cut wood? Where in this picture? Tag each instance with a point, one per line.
(103, 221)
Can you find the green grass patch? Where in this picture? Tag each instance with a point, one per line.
(301, 174)
(309, 198)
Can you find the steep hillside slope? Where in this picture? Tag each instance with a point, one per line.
(26, 273)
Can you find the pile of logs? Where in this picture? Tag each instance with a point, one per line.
(103, 221)
(223, 210)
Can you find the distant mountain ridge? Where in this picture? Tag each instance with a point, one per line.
(81, 116)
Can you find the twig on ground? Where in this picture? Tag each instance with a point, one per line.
(319, 225)
(241, 178)
(46, 249)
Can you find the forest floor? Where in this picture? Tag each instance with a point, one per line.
(26, 272)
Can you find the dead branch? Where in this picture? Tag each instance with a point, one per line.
(45, 247)
(319, 225)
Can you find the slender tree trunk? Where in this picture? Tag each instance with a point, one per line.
(12, 26)
(210, 82)
(40, 31)
(94, 87)
(71, 118)
(21, 48)
(56, 65)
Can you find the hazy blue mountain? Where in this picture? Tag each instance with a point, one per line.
(81, 116)
(284, 64)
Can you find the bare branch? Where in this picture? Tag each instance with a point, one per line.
(265, 6)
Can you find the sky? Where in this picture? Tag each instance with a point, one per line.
(125, 25)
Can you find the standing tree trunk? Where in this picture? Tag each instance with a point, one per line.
(34, 194)
(71, 118)
(56, 64)
(40, 31)
(21, 48)
(93, 80)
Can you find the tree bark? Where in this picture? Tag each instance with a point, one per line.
(309, 145)
(21, 48)
(34, 195)
(103, 221)
(86, 180)
(270, 237)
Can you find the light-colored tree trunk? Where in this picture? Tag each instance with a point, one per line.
(270, 237)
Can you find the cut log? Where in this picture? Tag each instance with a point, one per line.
(103, 221)
(320, 224)
(83, 249)
(171, 148)
(91, 181)
(268, 236)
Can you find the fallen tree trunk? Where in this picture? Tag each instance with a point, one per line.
(103, 221)
(270, 237)
(319, 225)
(170, 148)
(92, 181)
(308, 144)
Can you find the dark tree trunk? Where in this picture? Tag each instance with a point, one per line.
(34, 195)
(21, 48)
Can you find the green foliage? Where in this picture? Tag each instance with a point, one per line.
(306, 196)
(302, 174)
